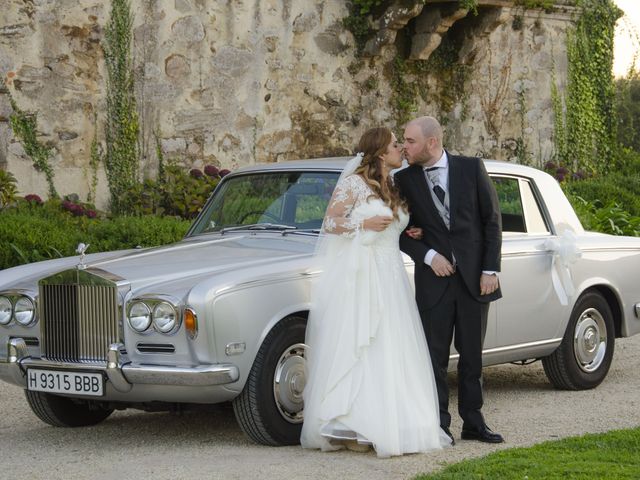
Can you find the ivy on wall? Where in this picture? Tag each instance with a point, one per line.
(24, 126)
(409, 82)
(95, 155)
(122, 127)
(546, 5)
(357, 22)
(585, 132)
(471, 5)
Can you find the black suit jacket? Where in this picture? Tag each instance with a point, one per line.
(475, 236)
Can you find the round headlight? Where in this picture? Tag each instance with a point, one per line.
(165, 317)
(5, 310)
(24, 311)
(139, 316)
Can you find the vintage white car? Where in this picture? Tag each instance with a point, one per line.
(220, 316)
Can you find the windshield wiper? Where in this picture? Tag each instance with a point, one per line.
(302, 231)
(258, 226)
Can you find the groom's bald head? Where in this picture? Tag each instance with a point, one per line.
(430, 127)
(423, 140)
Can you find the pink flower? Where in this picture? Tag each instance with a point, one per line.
(77, 210)
(196, 173)
(33, 198)
(211, 171)
(91, 213)
(224, 172)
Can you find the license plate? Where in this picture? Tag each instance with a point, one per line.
(65, 382)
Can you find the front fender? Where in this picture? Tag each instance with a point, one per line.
(248, 312)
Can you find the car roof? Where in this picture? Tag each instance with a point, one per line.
(338, 163)
(325, 163)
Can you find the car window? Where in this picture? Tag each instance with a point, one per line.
(520, 210)
(296, 199)
(533, 215)
(508, 190)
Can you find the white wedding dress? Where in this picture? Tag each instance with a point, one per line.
(369, 374)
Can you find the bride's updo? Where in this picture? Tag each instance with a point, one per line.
(374, 143)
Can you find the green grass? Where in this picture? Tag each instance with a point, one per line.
(613, 455)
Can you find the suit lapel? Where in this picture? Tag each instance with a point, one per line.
(455, 177)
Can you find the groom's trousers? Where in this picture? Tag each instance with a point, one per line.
(460, 317)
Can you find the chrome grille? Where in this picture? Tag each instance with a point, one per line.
(78, 317)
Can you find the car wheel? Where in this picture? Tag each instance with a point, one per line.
(269, 408)
(583, 358)
(65, 412)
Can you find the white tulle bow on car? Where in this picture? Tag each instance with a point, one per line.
(565, 252)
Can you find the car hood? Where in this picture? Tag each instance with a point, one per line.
(179, 264)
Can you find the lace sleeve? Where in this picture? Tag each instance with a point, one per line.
(347, 194)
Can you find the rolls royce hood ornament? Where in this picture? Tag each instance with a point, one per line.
(80, 250)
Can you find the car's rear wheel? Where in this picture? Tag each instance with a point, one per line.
(65, 412)
(583, 358)
(269, 408)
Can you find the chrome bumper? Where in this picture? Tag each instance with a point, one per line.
(118, 370)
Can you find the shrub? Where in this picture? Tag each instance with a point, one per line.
(33, 232)
(177, 193)
(620, 187)
(628, 110)
(606, 218)
(8, 188)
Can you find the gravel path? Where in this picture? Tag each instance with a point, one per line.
(519, 403)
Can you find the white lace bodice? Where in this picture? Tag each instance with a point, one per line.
(351, 203)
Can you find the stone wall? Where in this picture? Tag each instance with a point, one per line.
(231, 83)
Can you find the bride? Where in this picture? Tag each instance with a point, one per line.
(369, 375)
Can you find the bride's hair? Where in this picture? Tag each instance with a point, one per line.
(374, 143)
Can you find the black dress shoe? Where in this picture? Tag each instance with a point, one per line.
(448, 432)
(482, 434)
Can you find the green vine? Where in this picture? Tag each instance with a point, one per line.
(122, 128)
(546, 5)
(584, 121)
(560, 126)
(522, 151)
(452, 75)
(404, 92)
(95, 155)
(357, 22)
(409, 81)
(24, 126)
(471, 5)
(628, 109)
(162, 177)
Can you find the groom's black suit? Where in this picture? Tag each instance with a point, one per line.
(454, 303)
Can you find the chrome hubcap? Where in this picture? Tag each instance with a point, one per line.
(288, 383)
(590, 340)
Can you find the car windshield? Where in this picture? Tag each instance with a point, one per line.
(264, 201)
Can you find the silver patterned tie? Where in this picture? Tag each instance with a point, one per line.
(432, 173)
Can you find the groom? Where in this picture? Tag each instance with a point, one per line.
(454, 202)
